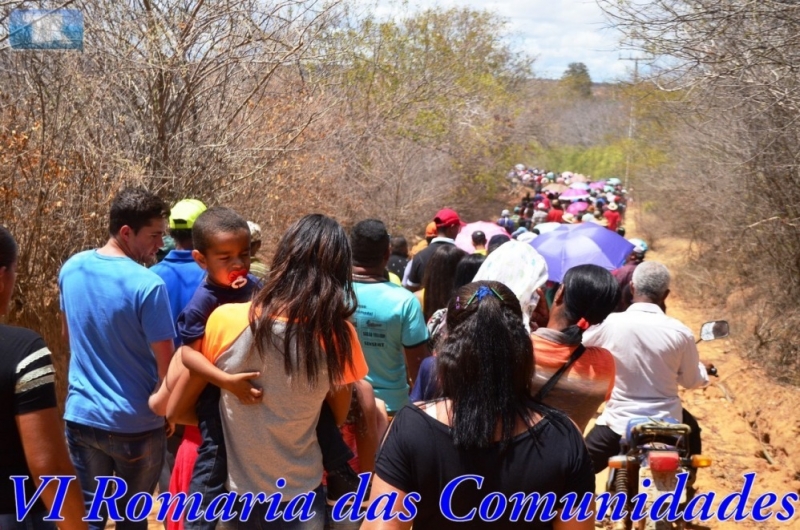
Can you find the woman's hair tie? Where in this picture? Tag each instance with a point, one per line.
(583, 324)
(481, 293)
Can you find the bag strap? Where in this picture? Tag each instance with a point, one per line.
(553, 380)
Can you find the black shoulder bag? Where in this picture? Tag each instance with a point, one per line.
(556, 376)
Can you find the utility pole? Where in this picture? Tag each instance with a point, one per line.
(631, 117)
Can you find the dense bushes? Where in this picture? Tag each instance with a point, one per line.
(733, 185)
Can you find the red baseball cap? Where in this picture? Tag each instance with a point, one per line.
(447, 217)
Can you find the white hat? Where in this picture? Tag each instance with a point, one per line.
(521, 268)
(504, 213)
(613, 206)
(255, 231)
(639, 245)
(542, 206)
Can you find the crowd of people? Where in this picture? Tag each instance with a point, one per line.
(565, 198)
(210, 372)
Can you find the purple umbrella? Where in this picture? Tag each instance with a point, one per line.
(464, 238)
(597, 185)
(582, 244)
(573, 194)
(577, 207)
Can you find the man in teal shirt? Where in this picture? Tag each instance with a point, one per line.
(389, 319)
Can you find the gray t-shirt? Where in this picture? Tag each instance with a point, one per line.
(277, 438)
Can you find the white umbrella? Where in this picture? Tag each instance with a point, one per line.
(544, 228)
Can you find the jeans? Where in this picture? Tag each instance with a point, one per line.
(330, 524)
(34, 521)
(335, 452)
(257, 521)
(211, 467)
(134, 458)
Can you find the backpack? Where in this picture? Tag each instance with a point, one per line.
(506, 223)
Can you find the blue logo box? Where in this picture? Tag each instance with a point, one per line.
(42, 29)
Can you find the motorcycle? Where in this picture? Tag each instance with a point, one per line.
(654, 455)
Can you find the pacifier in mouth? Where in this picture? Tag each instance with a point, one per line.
(238, 279)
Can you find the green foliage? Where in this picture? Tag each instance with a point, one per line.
(600, 161)
(577, 81)
(420, 74)
(613, 154)
(444, 80)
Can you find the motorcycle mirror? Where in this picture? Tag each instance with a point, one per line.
(716, 329)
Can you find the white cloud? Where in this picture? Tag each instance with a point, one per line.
(557, 32)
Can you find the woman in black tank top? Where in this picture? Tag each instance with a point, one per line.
(485, 451)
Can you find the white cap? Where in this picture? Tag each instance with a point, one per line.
(255, 231)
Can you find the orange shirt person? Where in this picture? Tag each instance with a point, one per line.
(586, 297)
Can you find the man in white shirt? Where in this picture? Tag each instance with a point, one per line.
(653, 354)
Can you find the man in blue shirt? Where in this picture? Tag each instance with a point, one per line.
(389, 321)
(182, 275)
(506, 222)
(116, 315)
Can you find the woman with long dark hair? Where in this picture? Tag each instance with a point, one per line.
(295, 334)
(487, 425)
(585, 298)
(466, 269)
(439, 279)
(308, 299)
(426, 386)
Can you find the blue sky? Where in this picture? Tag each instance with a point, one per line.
(557, 32)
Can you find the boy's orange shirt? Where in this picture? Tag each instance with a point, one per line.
(227, 322)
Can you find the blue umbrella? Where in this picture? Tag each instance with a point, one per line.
(587, 243)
